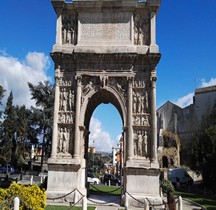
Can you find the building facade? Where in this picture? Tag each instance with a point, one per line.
(186, 121)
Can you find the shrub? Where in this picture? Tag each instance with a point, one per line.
(31, 197)
(166, 185)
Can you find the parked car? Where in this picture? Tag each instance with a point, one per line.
(92, 179)
(179, 176)
(11, 170)
(110, 178)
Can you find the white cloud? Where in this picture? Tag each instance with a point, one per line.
(211, 82)
(99, 138)
(37, 61)
(185, 101)
(118, 137)
(16, 74)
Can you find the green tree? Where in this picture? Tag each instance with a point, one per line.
(8, 132)
(203, 154)
(14, 134)
(24, 136)
(95, 162)
(1, 96)
(43, 94)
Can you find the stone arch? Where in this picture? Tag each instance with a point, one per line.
(108, 61)
(97, 97)
(91, 101)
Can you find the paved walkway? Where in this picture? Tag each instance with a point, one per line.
(114, 203)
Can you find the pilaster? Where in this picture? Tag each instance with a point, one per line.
(153, 116)
(130, 121)
(56, 109)
(153, 46)
(77, 118)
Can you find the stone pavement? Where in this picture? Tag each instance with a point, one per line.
(98, 201)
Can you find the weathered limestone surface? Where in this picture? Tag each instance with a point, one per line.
(105, 52)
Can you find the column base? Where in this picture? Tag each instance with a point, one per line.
(141, 181)
(64, 180)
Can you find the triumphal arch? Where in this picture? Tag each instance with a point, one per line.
(105, 52)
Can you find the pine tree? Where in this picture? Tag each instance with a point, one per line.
(8, 132)
(23, 142)
(1, 96)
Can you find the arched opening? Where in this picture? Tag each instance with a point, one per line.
(165, 162)
(105, 133)
(104, 121)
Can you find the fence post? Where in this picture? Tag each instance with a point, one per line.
(75, 196)
(16, 203)
(126, 201)
(180, 203)
(31, 179)
(146, 204)
(84, 203)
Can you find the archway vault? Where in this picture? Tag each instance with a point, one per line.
(102, 96)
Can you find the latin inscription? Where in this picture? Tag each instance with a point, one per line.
(105, 27)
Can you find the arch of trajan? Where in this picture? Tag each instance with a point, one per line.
(105, 52)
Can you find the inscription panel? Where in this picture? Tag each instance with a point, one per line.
(110, 28)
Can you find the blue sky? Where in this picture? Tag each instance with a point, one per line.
(186, 35)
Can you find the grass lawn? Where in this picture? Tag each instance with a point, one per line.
(104, 189)
(208, 203)
(51, 207)
(93, 189)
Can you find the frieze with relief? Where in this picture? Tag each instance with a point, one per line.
(141, 120)
(64, 76)
(66, 117)
(103, 66)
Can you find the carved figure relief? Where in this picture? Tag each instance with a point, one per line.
(140, 101)
(58, 75)
(141, 29)
(65, 82)
(141, 144)
(138, 84)
(141, 120)
(66, 102)
(88, 87)
(135, 144)
(119, 84)
(64, 137)
(145, 120)
(65, 117)
(68, 29)
(104, 81)
(145, 144)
